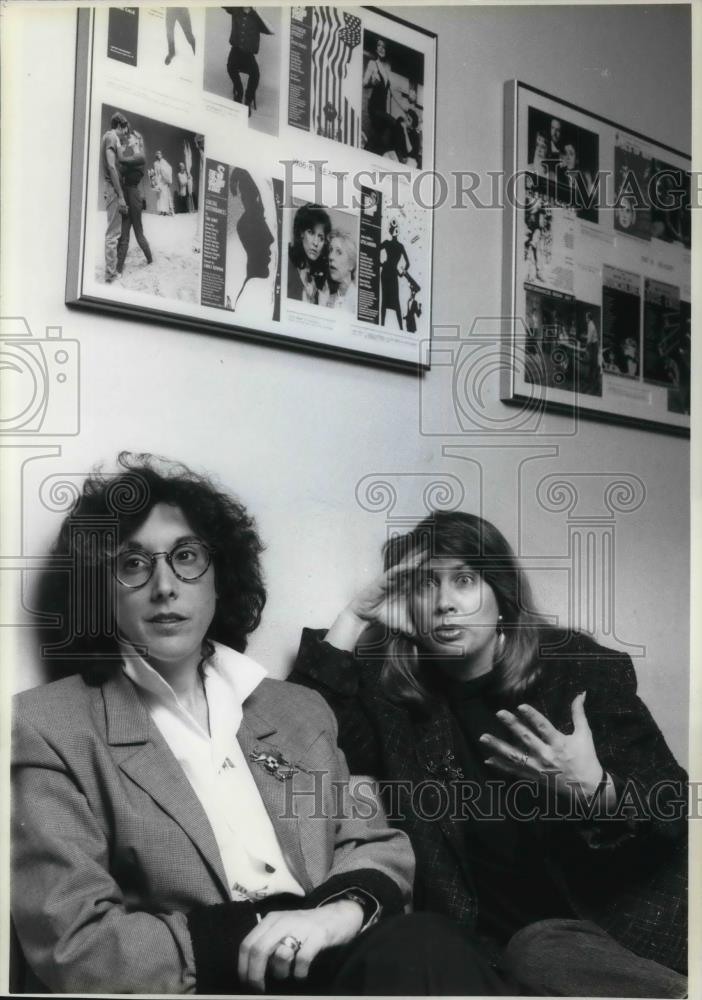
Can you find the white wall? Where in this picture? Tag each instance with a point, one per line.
(294, 434)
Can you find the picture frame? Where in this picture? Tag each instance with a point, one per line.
(596, 268)
(270, 166)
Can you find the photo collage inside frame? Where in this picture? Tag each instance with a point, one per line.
(270, 162)
(602, 264)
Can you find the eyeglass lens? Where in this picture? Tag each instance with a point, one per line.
(189, 560)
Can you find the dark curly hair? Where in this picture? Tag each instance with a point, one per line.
(110, 508)
(307, 217)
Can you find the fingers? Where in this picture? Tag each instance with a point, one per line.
(256, 949)
(311, 947)
(405, 565)
(265, 949)
(281, 961)
(526, 736)
(505, 751)
(539, 723)
(578, 712)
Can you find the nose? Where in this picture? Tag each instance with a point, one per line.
(445, 598)
(164, 582)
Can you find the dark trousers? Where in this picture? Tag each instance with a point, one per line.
(576, 958)
(178, 15)
(422, 954)
(243, 62)
(132, 220)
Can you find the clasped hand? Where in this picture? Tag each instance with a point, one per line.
(263, 950)
(539, 749)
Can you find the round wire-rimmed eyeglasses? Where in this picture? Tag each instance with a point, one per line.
(133, 568)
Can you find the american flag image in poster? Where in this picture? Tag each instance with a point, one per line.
(336, 68)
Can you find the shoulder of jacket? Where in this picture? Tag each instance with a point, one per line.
(58, 703)
(292, 698)
(565, 654)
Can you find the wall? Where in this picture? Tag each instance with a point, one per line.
(294, 434)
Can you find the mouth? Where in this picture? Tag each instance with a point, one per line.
(166, 619)
(448, 633)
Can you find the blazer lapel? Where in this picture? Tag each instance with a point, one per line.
(146, 758)
(253, 729)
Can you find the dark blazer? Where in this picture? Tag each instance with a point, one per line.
(113, 854)
(627, 874)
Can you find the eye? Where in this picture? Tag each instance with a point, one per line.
(466, 579)
(133, 562)
(424, 583)
(186, 554)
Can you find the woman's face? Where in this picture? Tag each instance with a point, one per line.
(170, 617)
(454, 611)
(380, 48)
(341, 264)
(313, 241)
(569, 157)
(541, 146)
(626, 214)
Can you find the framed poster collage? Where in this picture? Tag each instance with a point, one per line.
(596, 267)
(270, 161)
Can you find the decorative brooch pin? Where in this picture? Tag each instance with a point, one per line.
(444, 770)
(272, 760)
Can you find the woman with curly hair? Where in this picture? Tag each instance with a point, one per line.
(155, 848)
(546, 812)
(308, 254)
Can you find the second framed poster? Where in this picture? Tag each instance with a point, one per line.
(597, 266)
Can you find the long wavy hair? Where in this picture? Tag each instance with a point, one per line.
(81, 596)
(405, 676)
(307, 217)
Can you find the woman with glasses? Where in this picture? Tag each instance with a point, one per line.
(177, 819)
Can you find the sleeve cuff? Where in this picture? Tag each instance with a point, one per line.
(370, 883)
(216, 933)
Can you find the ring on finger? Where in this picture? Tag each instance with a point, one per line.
(525, 758)
(293, 943)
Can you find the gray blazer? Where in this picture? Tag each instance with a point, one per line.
(111, 847)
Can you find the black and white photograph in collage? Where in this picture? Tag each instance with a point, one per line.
(242, 60)
(393, 95)
(564, 159)
(162, 41)
(148, 213)
(661, 332)
(563, 342)
(670, 203)
(322, 257)
(679, 363)
(632, 208)
(621, 323)
(242, 242)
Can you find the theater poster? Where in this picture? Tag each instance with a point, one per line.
(596, 267)
(257, 172)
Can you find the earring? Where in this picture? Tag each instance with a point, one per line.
(498, 628)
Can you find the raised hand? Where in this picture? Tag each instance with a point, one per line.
(539, 749)
(384, 601)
